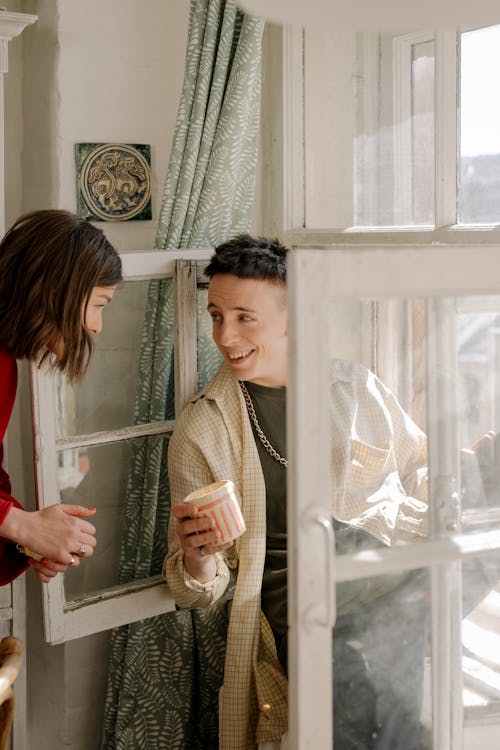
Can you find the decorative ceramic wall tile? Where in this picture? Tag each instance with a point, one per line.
(114, 181)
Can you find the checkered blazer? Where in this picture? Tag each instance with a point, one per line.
(378, 465)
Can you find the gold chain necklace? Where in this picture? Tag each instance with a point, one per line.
(253, 416)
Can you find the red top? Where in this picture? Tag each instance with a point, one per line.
(12, 562)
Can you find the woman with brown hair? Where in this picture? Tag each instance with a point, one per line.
(57, 273)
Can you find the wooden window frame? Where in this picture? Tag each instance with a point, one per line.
(117, 605)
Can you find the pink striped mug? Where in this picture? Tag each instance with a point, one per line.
(219, 502)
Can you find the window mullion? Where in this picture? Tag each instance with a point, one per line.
(446, 128)
(115, 436)
(310, 563)
(355, 566)
(47, 489)
(445, 513)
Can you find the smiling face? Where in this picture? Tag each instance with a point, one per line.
(249, 327)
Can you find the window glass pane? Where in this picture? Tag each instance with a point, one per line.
(209, 358)
(368, 130)
(99, 476)
(105, 399)
(478, 399)
(478, 346)
(391, 337)
(383, 655)
(390, 676)
(479, 189)
(422, 134)
(381, 661)
(481, 650)
(478, 393)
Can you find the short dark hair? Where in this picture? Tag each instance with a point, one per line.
(250, 258)
(50, 260)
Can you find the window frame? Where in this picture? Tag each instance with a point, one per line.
(118, 605)
(371, 270)
(286, 152)
(380, 353)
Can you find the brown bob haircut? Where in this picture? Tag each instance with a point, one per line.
(50, 261)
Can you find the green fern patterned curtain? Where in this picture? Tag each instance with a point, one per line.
(165, 672)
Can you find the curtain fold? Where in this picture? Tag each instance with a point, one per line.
(165, 672)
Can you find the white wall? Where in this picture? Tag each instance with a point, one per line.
(93, 71)
(100, 72)
(13, 98)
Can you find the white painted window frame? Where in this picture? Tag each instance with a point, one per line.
(379, 353)
(119, 605)
(383, 337)
(372, 269)
(288, 147)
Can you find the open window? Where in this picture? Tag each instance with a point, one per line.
(455, 563)
(390, 205)
(86, 435)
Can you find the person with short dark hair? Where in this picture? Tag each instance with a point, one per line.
(57, 274)
(236, 429)
(250, 258)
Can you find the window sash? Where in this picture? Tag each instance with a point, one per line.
(311, 720)
(287, 149)
(369, 270)
(119, 605)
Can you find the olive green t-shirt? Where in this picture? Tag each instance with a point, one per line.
(270, 409)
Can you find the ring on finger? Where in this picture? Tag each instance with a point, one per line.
(72, 561)
(83, 550)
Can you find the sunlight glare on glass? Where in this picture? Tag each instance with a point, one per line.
(472, 699)
(484, 643)
(480, 104)
(482, 674)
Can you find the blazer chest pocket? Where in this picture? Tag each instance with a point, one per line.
(369, 464)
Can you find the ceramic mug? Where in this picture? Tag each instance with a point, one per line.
(218, 501)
